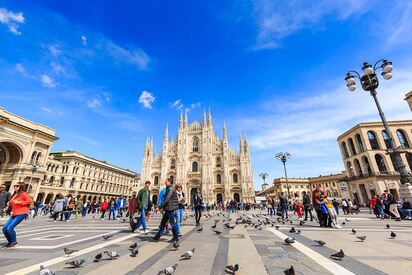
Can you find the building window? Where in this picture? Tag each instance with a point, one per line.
(358, 167)
(235, 178)
(218, 162)
(195, 144)
(350, 168)
(381, 164)
(373, 140)
(345, 150)
(173, 164)
(352, 146)
(386, 139)
(218, 178)
(360, 143)
(402, 138)
(409, 159)
(156, 180)
(62, 181)
(33, 158)
(195, 166)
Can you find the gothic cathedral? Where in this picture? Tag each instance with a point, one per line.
(199, 160)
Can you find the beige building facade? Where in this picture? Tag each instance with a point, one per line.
(369, 168)
(25, 157)
(199, 160)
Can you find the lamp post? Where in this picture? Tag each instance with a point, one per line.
(283, 157)
(34, 168)
(263, 176)
(100, 188)
(370, 83)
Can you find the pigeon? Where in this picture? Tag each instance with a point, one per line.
(301, 223)
(68, 251)
(45, 271)
(289, 271)
(353, 231)
(97, 258)
(291, 222)
(112, 254)
(346, 219)
(338, 255)
(106, 237)
(124, 220)
(133, 246)
(362, 238)
(168, 270)
(320, 242)
(134, 252)
(388, 226)
(216, 221)
(76, 263)
(233, 268)
(213, 226)
(277, 226)
(289, 240)
(292, 230)
(393, 235)
(187, 255)
(298, 231)
(199, 229)
(343, 223)
(217, 232)
(230, 226)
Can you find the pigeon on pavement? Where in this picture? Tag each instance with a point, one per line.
(187, 255)
(393, 235)
(298, 231)
(289, 240)
(199, 229)
(217, 232)
(353, 231)
(133, 246)
(277, 226)
(301, 223)
(97, 258)
(45, 271)
(338, 255)
(343, 223)
(169, 270)
(233, 268)
(76, 263)
(69, 251)
(289, 271)
(320, 242)
(388, 226)
(134, 252)
(362, 238)
(112, 254)
(292, 230)
(230, 226)
(346, 219)
(106, 237)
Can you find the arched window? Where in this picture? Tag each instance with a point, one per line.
(173, 164)
(345, 150)
(386, 139)
(349, 167)
(51, 180)
(218, 178)
(352, 147)
(381, 164)
(358, 167)
(373, 140)
(360, 143)
(195, 166)
(402, 138)
(218, 162)
(33, 157)
(393, 163)
(72, 182)
(38, 158)
(367, 165)
(62, 181)
(156, 180)
(235, 178)
(409, 159)
(195, 143)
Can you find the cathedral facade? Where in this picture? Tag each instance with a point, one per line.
(199, 160)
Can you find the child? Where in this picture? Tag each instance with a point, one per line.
(332, 212)
(299, 209)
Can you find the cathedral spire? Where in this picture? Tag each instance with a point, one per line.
(166, 138)
(240, 144)
(246, 144)
(224, 133)
(186, 120)
(181, 119)
(209, 120)
(204, 118)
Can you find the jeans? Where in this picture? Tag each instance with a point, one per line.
(103, 212)
(170, 215)
(198, 214)
(111, 211)
(84, 211)
(179, 219)
(8, 228)
(308, 210)
(142, 219)
(284, 210)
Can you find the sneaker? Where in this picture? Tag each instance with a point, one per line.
(176, 244)
(145, 232)
(11, 245)
(155, 238)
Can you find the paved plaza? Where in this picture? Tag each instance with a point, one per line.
(41, 242)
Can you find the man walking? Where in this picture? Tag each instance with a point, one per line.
(393, 205)
(169, 205)
(4, 198)
(307, 206)
(132, 208)
(121, 203)
(144, 204)
(283, 205)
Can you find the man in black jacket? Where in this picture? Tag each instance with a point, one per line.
(169, 205)
(307, 206)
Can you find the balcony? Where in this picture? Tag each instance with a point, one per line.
(373, 174)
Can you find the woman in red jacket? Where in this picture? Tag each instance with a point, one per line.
(20, 203)
(103, 208)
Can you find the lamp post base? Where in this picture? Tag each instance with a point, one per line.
(405, 192)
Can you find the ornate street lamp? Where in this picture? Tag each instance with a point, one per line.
(34, 168)
(370, 82)
(263, 176)
(283, 157)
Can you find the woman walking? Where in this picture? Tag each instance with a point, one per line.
(180, 212)
(58, 207)
(20, 204)
(198, 204)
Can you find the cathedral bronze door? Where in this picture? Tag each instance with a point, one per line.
(219, 198)
(236, 197)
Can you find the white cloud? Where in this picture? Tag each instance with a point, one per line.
(57, 68)
(84, 40)
(136, 57)
(94, 103)
(396, 25)
(12, 20)
(195, 105)
(54, 50)
(177, 104)
(146, 99)
(47, 110)
(21, 69)
(47, 81)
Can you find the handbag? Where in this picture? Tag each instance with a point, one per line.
(323, 208)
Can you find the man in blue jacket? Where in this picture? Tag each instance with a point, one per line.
(121, 204)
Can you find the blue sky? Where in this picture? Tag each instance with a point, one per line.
(106, 74)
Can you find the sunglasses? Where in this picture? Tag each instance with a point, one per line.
(16, 185)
